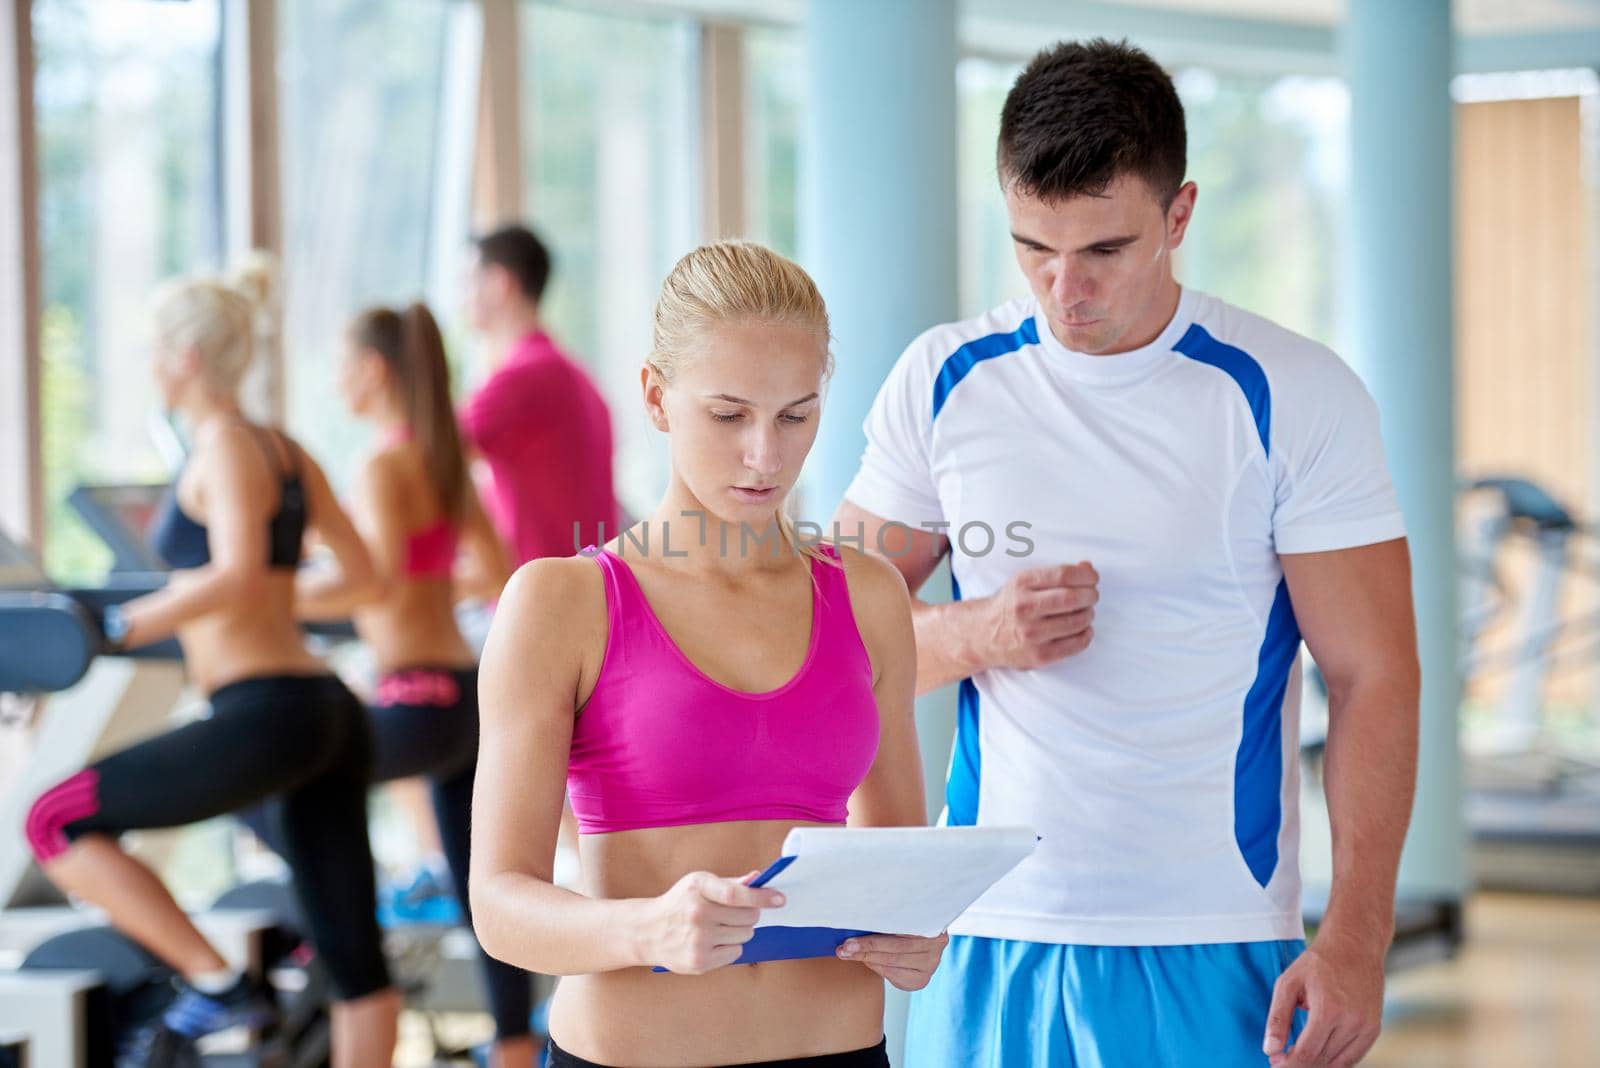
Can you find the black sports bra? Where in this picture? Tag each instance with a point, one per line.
(181, 541)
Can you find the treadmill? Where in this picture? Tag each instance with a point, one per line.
(67, 983)
(1532, 795)
(120, 515)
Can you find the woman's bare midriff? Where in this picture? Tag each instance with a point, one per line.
(247, 639)
(747, 1012)
(414, 626)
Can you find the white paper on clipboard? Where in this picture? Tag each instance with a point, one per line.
(893, 880)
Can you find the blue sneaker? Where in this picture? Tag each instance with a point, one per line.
(541, 1053)
(157, 1047)
(194, 1014)
(427, 899)
(191, 1015)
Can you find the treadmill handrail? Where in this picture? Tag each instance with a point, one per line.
(54, 641)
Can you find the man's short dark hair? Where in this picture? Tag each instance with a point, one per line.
(519, 251)
(1084, 113)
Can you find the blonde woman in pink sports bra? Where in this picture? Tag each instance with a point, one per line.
(700, 686)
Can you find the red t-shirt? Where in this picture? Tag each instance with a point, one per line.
(545, 433)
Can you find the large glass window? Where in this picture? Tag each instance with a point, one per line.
(612, 173)
(127, 99)
(360, 84)
(1269, 157)
(988, 270)
(774, 73)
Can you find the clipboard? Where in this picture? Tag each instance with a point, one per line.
(842, 882)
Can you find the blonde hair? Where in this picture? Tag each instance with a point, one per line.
(223, 322)
(736, 282)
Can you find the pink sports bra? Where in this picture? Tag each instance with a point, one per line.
(661, 744)
(431, 551)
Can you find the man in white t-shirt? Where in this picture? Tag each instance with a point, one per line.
(1148, 497)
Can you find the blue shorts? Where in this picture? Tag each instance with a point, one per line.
(995, 1003)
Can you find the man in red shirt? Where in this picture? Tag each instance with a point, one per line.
(537, 421)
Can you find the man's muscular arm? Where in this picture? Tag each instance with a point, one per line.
(1354, 608)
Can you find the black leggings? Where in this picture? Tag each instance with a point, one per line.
(298, 740)
(424, 722)
(871, 1057)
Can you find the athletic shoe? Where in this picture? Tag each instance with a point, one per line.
(426, 899)
(541, 1053)
(170, 1040)
(158, 1047)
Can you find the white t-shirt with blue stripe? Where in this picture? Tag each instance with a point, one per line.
(1158, 766)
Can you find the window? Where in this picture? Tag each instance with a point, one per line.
(1270, 158)
(127, 98)
(360, 91)
(612, 172)
(774, 74)
(988, 270)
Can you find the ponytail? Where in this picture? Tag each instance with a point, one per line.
(410, 343)
(426, 388)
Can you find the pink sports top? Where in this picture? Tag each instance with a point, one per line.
(429, 553)
(661, 744)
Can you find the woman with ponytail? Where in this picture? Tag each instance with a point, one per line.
(699, 687)
(281, 728)
(418, 513)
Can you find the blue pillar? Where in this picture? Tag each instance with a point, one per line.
(879, 235)
(879, 219)
(1398, 57)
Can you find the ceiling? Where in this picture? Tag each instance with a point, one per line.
(1285, 35)
(1470, 16)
